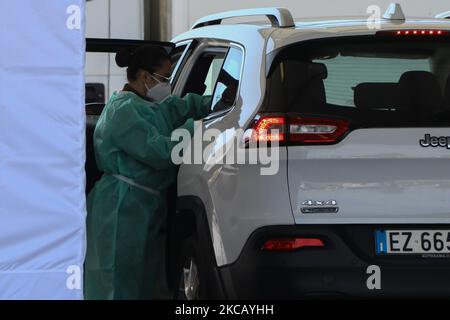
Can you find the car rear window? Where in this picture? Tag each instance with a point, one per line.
(373, 81)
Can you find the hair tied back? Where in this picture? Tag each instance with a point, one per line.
(124, 58)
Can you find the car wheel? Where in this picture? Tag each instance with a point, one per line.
(191, 284)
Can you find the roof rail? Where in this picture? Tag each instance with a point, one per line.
(443, 15)
(279, 17)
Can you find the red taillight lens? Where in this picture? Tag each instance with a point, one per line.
(316, 130)
(295, 129)
(291, 244)
(270, 129)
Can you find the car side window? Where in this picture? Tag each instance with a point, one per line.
(176, 55)
(226, 90)
(205, 72)
(179, 56)
(213, 74)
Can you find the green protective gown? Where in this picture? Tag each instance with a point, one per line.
(125, 241)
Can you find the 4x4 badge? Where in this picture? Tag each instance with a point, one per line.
(312, 203)
(432, 141)
(314, 206)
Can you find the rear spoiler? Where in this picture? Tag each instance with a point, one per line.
(114, 45)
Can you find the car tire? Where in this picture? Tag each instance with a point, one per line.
(191, 280)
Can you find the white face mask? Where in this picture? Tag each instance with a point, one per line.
(159, 92)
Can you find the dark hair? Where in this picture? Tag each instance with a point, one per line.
(148, 58)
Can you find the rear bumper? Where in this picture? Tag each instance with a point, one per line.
(337, 270)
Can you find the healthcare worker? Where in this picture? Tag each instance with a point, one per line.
(127, 207)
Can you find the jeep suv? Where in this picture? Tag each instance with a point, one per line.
(360, 205)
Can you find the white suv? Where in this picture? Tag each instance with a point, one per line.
(360, 205)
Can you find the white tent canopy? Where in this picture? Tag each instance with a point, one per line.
(42, 149)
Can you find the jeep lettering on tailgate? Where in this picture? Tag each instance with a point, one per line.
(431, 141)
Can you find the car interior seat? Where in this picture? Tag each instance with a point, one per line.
(423, 92)
(304, 84)
(447, 91)
(379, 96)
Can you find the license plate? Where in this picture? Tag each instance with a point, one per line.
(412, 242)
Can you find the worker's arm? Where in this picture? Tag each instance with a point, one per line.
(142, 141)
(178, 110)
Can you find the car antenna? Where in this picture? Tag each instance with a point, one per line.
(394, 12)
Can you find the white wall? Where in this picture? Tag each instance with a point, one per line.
(126, 20)
(188, 11)
(121, 19)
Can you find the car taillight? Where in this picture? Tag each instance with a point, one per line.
(291, 244)
(316, 130)
(269, 129)
(293, 130)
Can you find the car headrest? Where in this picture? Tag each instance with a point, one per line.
(301, 72)
(381, 95)
(423, 89)
(317, 71)
(304, 82)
